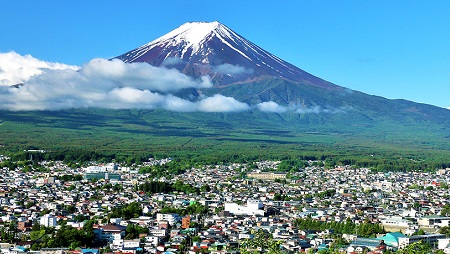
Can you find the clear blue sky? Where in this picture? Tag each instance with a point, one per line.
(395, 49)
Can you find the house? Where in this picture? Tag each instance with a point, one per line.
(48, 220)
(434, 220)
(444, 244)
(110, 232)
(172, 218)
(431, 239)
(392, 239)
(90, 251)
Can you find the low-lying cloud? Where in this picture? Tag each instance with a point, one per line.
(171, 61)
(220, 103)
(318, 110)
(272, 107)
(231, 69)
(140, 75)
(306, 110)
(114, 84)
(100, 83)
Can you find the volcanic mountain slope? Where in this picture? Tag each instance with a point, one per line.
(246, 72)
(199, 49)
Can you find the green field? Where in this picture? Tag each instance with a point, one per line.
(219, 136)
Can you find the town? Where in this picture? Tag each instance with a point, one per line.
(227, 208)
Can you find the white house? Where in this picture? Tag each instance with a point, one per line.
(254, 207)
(395, 221)
(48, 220)
(172, 218)
(431, 239)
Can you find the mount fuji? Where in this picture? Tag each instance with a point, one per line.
(240, 69)
(212, 49)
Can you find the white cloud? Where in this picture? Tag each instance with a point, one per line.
(170, 61)
(105, 84)
(174, 103)
(129, 97)
(305, 110)
(15, 68)
(113, 84)
(140, 75)
(220, 103)
(270, 106)
(318, 110)
(231, 69)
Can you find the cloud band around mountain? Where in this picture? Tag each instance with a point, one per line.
(102, 83)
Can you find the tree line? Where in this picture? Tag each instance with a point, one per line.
(290, 161)
(365, 229)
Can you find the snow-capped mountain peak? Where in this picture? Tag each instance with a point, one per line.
(190, 36)
(192, 33)
(211, 48)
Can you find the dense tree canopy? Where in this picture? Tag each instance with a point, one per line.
(262, 242)
(132, 210)
(364, 229)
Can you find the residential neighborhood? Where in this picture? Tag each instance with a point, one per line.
(225, 208)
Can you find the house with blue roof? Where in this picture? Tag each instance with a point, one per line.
(19, 249)
(90, 251)
(391, 239)
(322, 247)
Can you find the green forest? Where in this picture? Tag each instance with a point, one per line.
(134, 136)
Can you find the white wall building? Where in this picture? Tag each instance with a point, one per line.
(110, 167)
(152, 240)
(434, 220)
(158, 232)
(48, 220)
(443, 244)
(431, 239)
(172, 218)
(396, 221)
(131, 243)
(254, 207)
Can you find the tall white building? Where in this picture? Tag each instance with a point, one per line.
(172, 218)
(48, 220)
